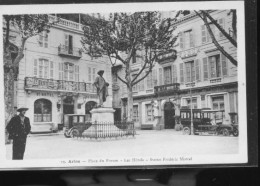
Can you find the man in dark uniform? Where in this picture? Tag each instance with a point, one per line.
(18, 128)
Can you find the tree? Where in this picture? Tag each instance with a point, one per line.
(209, 20)
(27, 26)
(122, 36)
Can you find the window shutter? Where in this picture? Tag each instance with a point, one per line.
(35, 67)
(209, 39)
(51, 69)
(141, 83)
(181, 73)
(46, 40)
(192, 44)
(174, 74)
(76, 73)
(93, 74)
(154, 77)
(197, 69)
(205, 69)
(40, 39)
(89, 74)
(203, 34)
(182, 40)
(160, 76)
(61, 71)
(224, 65)
(66, 42)
(222, 24)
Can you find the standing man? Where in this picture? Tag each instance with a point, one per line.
(101, 85)
(18, 128)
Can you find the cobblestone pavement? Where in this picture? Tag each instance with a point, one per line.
(145, 143)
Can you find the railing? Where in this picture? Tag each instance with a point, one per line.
(66, 23)
(73, 52)
(100, 130)
(167, 88)
(216, 80)
(58, 85)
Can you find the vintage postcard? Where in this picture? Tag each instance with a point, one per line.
(123, 85)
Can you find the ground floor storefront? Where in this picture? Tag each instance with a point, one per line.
(161, 110)
(47, 109)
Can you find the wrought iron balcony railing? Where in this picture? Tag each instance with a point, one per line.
(74, 52)
(168, 88)
(33, 83)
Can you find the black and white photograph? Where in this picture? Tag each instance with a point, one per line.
(123, 84)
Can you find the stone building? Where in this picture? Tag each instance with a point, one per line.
(56, 77)
(195, 67)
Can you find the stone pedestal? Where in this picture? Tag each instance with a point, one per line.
(103, 114)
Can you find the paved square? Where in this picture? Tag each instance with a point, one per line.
(145, 143)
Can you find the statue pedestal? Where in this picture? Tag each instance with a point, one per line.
(102, 114)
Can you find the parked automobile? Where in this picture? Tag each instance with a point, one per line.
(206, 121)
(75, 124)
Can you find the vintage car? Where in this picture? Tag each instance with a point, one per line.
(75, 124)
(206, 121)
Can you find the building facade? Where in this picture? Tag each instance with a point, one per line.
(56, 77)
(203, 76)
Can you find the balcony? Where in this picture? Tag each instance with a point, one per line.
(215, 80)
(69, 52)
(66, 23)
(167, 56)
(33, 83)
(167, 89)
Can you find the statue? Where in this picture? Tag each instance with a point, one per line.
(102, 90)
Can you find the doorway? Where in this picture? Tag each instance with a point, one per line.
(169, 113)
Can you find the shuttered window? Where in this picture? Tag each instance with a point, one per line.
(174, 74)
(35, 67)
(224, 65)
(76, 73)
(141, 83)
(149, 81)
(89, 74)
(154, 77)
(160, 76)
(205, 69)
(197, 69)
(221, 22)
(51, 70)
(181, 73)
(61, 71)
(203, 34)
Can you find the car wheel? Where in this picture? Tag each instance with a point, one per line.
(74, 133)
(235, 132)
(66, 134)
(186, 131)
(225, 132)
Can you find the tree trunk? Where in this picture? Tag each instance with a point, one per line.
(129, 103)
(8, 94)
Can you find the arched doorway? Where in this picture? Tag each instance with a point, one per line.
(42, 110)
(88, 107)
(68, 105)
(169, 113)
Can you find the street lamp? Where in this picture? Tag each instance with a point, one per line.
(192, 84)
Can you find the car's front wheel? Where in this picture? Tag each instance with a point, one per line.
(186, 131)
(235, 132)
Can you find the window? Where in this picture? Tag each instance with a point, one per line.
(42, 110)
(149, 81)
(167, 75)
(186, 39)
(190, 71)
(141, 83)
(149, 112)
(218, 104)
(69, 43)
(135, 113)
(160, 76)
(68, 72)
(181, 73)
(135, 87)
(215, 66)
(194, 103)
(174, 74)
(43, 68)
(43, 40)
